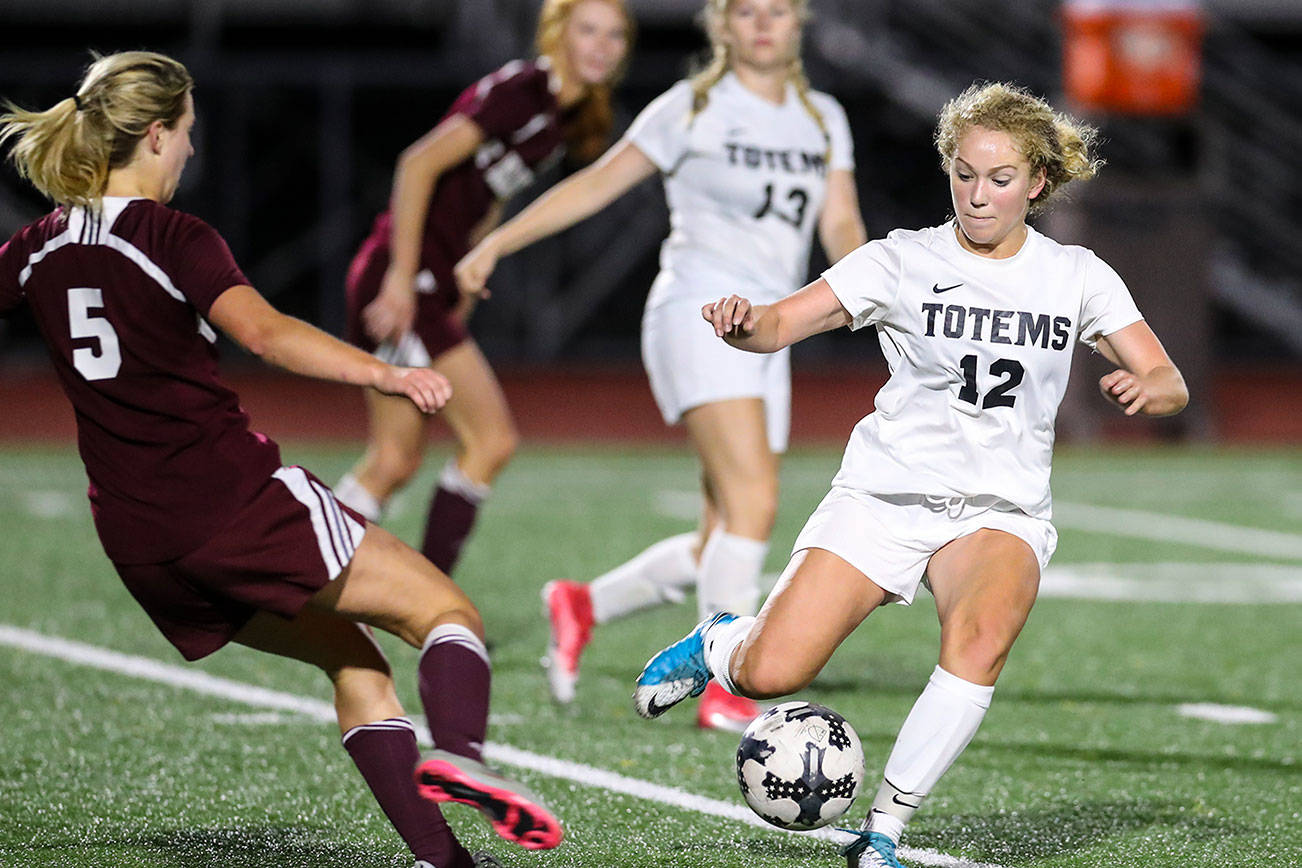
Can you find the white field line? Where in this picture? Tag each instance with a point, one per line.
(1134, 523)
(1160, 527)
(258, 697)
(1164, 582)
(1218, 713)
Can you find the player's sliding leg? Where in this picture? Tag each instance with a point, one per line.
(741, 473)
(478, 416)
(393, 587)
(393, 454)
(985, 584)
(380, 740)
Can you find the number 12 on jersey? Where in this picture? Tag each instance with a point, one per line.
(1010, 370)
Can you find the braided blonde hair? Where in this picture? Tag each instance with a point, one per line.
(1058, 143)
(703, 81)
(67, 151)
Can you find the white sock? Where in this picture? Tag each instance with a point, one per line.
(727, 579)
(939, 727)
(660, 574)
(455, 480)
(351, 493)
(720, 643)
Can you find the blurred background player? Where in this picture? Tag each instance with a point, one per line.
(948, 479)
(211, 535)
(753, 161)
(448, 191)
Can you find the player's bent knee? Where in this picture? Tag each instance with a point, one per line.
(398, 465)
(767, 679)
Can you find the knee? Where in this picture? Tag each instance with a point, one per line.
(491, 452)
(761, 676)
(975, 650)
(398, 464)
(751, 508)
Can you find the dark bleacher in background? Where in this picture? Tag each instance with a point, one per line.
(304, 104)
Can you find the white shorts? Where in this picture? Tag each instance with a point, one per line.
(890, 538)
(688, 366)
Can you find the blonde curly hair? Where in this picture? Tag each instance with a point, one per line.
(1050, 140)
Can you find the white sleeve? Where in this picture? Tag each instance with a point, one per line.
(838, 133)
(660, 131)
(867, 281)
(1106, 304)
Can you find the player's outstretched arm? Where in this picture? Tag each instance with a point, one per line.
(581, 195)
(1147, 381)
(243, 314)
(769, 328)
(419, 167)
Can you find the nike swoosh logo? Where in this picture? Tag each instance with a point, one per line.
(895, 796)
(655, 709)
(937, 288)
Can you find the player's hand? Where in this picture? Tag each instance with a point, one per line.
(426, 388)
(392, 313)
(473, 271)
(730, 316)
(1126, 390)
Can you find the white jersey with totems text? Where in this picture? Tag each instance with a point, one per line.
(745, 180)
(979, 351)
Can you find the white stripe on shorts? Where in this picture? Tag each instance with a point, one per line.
(337, 534)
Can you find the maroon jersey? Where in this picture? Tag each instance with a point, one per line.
(120, 298)
(517, 111)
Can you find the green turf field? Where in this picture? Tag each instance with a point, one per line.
(1085, 758)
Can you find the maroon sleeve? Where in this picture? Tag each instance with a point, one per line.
(12, 260)
(508, 99)
(201, 265)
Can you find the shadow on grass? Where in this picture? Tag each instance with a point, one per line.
(234, 847)
(1023, 836)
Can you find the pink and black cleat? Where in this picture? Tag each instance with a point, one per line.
(515, 813)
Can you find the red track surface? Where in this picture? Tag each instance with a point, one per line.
(614, 403)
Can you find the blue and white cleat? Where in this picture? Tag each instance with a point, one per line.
(677, 672)
(872, 850)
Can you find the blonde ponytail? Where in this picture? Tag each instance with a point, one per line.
(67, 150)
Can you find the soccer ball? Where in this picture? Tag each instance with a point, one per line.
(800, 765)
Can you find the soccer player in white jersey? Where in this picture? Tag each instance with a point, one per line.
(948, 478)
(753, 161)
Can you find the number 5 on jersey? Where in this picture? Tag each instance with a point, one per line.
(93, 365)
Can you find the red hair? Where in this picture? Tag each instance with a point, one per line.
(588, 125)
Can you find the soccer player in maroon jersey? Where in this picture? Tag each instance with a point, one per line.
(448, 189)
(212, 536)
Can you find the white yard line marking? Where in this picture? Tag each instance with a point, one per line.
(1226, 713)
(51, 504)
(258, 697)
(1177, 529)
(1175, 582)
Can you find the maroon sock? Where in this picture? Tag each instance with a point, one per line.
(385, 753)
(451, 516)
(454, 677)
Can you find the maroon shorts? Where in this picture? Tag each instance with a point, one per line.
(282, 547)
(436, 329)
